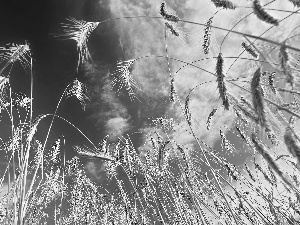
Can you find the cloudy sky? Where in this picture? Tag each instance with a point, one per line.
(55, 62)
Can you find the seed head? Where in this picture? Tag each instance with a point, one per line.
(257, 98)
(15, 52)
(262, 14)
(167, 16)
(172, 29)
(249, 49)
(79, 31)
(225, 4)
(285, 64)
(207, 34)
(295, 2)
(220, 80)
(271, 82)
(81, 92)
(291, 143)
(211, 114)
(187, 111)
(125, 79)
(172, 90)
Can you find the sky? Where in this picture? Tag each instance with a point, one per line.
(55, 62)
(54, 59)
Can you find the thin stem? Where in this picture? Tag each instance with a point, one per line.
(46, 139)
(277, 10)
(238, 23)
(243, 34)
(264, 39)
(208, 164)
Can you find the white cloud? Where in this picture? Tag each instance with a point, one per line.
(107, 110)
(117, 126)
(145, 36)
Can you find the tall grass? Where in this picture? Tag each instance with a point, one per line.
(171, 183)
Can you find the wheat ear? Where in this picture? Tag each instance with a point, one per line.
(187, 111)
(225, 4)
(257, 98)
(295, 2)
(220, 80)
(262, 14)
(285, 65)
(271, 81)
(15, 52)
(124, 78)
(81, 92)
(259, 105)
(211, 114)
(79, 31)
(172, 29)
(172, 90)
(207, 34)
(291, 143)
(167, 16)
(250, 50)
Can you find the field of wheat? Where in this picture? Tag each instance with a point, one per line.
(226, 151)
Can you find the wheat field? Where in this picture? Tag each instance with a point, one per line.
(225, 151)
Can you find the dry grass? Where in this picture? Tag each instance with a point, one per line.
(163, 181)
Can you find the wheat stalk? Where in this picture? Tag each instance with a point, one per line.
(33, 127)
(225, 143)
(243, 136)
(92, 153)
(250, 173)
(260, 147)
(264, 173)
(262, 14)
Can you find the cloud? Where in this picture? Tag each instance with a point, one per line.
(117, 126)
(106, 109)
(145, 36)
(94, 171)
